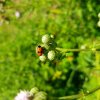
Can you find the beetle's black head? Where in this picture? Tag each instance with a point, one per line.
(39, 46)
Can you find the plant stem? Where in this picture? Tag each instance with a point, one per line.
(81, 95)
(70, 78)
(92, 91)
(71, 97)
(73, 50)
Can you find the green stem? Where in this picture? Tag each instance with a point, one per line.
(92, 91)
(70, 78)
(81, 95)
(74, 50)
(71, 97)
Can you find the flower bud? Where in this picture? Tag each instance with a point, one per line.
(40, 96)
(52, 36)
(98, 15)
(83, 47)
(98, 23)
(34, 90)
(51, 55)
(93, 49)
(46, 38)
(42, 58)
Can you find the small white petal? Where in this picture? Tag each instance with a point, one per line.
(23, 95)
(17, 14)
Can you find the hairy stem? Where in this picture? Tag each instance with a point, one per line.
(92, 91)
(74, 50)
(81, 95)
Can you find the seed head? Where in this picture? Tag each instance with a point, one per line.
(45, 38)
(51, 55)
(42, 58)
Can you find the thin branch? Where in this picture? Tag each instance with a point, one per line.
(75, 50)
(92, 91)
(71, 97)
(81, 95)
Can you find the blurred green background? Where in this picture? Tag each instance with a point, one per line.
(74, 24)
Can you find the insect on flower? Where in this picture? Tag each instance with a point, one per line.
(39, 50)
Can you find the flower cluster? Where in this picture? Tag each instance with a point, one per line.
(33, 94)
(47, 49)
(98, 24)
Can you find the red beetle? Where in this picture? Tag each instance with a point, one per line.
(39, 51)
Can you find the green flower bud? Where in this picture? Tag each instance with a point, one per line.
(98, 15)
(83, 47)
(34, 90)
(93, 49)
(98, 23)
(42, 58)
(40, 96)
(51, 55)
(45, 38)
(52, 36)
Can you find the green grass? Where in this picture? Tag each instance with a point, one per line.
(74, 23)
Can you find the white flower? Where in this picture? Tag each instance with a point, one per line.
(17, 14)
(51, 55)
(42, 58)
(46, 38)
(23, 95)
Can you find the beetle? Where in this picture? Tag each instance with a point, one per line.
(39, 50)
